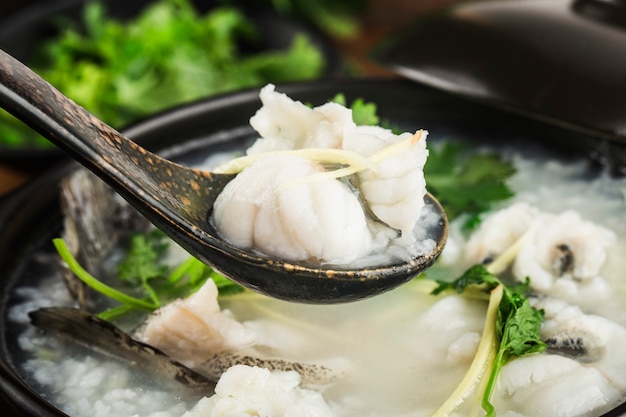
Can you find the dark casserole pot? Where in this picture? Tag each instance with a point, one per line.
(31, 217)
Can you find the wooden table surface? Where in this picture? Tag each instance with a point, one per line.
(383, 17)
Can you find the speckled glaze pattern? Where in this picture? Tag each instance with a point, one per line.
(179, 200)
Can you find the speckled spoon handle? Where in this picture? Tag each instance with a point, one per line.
(118, 160)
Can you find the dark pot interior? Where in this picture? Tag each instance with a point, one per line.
(31, 217)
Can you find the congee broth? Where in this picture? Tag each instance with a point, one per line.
(402, 353)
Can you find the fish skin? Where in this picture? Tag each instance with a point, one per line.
(311, 373)
(88, 330)
(79, 326)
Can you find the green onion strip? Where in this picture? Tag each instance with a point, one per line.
(94, 283)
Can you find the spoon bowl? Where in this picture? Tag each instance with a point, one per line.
(179, 200)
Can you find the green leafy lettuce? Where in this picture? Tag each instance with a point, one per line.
(169, 54)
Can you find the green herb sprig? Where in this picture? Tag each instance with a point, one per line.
(142, 271)
(364, 113)
(511, 331)
(467, 182)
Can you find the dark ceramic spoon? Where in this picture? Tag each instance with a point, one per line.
(179, 200)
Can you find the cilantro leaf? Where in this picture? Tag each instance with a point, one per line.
(363, 113)
(466, 182)
(141, 262)
(520, 334)
(518, 330)
(127, 300)
(142, 270)
(517, 326)
(475, 275)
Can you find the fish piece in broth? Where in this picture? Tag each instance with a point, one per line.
(196, 332)
(88, 330)
(310, 373)
(580, 372)
(79, 326)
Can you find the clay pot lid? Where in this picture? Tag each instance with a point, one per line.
(562, 61)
